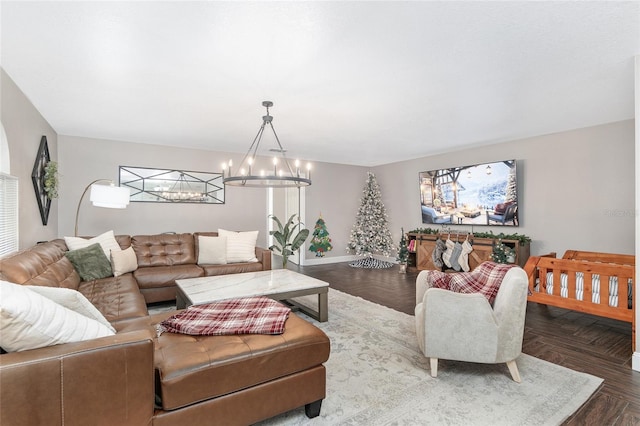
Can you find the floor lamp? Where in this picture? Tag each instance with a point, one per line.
(109, 196)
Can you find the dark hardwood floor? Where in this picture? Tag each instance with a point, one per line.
(582, 342)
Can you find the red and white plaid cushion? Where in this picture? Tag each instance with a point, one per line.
(485, 279)
(252, 315)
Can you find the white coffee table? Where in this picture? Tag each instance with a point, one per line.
(278, 284)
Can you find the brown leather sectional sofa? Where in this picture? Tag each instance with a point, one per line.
(137, 378)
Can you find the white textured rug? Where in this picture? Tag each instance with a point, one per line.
(376, 375)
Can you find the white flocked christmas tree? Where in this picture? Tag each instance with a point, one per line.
(370, 234)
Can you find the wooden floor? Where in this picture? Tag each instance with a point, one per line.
(586, 343)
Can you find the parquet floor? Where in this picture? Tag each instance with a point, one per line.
(582, 342)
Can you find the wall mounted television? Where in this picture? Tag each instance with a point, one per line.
(481, 194)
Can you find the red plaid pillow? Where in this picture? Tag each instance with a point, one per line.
(252, 315)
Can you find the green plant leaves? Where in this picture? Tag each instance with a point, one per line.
(284, 244)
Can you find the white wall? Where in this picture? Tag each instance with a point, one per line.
(335, 193)
(576, 188)
(83, 160)
(25, 127)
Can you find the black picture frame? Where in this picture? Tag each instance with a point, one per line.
(154, 185)
(37, 177)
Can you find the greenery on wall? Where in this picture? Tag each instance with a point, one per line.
(51, 179)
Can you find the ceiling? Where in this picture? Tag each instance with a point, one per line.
(361, 83)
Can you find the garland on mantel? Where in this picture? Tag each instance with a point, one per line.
(502, 236)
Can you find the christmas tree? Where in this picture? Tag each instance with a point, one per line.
(370, 234)
(320, 243)
(403, 251)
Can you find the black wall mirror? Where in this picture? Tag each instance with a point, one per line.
(172, 186)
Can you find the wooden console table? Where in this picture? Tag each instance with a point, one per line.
(421, 257)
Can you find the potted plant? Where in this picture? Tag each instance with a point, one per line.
(285, 241)
(403, 253)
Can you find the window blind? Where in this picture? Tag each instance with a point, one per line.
(8, 214)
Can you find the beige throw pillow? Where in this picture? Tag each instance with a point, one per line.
(212, 250)
(72, 299)
(241, 246)
(123, 261)
(29, 321)
(107, 242)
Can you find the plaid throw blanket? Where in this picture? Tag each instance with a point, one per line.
(485, 279)
(252, 315)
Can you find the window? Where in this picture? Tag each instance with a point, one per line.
(8, 214)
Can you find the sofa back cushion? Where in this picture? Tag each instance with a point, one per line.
(164, 249)
(124, 241)
(43, 264)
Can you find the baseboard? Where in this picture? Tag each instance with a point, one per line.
(339, 259)
(328, 260)
(635, 361)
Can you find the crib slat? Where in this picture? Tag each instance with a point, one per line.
(571, 285)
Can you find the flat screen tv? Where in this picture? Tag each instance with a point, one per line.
(481, 194)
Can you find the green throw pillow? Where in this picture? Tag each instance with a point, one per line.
(90, 262)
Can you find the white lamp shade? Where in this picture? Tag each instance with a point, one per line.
(109, 196)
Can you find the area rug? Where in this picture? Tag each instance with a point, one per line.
(376, 375)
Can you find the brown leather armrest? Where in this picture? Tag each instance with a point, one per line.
(103, 381)
(264, 256)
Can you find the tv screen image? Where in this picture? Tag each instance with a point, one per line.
(481, 194)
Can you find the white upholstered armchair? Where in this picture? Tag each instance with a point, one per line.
(465, 327)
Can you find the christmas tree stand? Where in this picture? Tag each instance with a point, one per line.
(370, 263)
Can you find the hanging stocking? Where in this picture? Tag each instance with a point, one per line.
(463, 260)
(455, 254)
(446, 256)
(438, 250)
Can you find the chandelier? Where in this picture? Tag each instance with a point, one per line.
(180, 191)
(279, 174)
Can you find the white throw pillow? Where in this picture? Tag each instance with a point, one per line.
(123, 261)
(241, 246)
(212, 250)
(29, 321)
(72, 299)
(107, 241)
